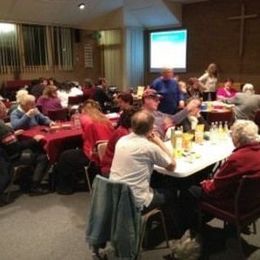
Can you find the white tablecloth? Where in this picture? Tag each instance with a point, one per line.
(204, 155)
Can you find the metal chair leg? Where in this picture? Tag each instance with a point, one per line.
(14, 173)
(164, 229)
(87, 177)
(254, 227)
(143, 229)
(239, 240)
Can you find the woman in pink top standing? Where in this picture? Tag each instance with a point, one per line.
(227, 91)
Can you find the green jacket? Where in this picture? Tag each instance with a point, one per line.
(114, 217)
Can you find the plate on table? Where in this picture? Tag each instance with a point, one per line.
(112, 116)
(66, 126)
(54, 128)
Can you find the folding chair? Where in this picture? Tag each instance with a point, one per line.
(76, 100)
(243, 212)
(107, 200)
(100, 149)
(59, 114)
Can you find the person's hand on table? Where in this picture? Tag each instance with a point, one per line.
(32, 112)
(18, 132)
(38, 138)
(171, 167)
(52, 123)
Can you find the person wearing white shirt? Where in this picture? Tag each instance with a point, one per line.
(208, 81)
(134, 158)
(66, 90)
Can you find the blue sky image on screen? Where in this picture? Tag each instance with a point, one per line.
(168, 49)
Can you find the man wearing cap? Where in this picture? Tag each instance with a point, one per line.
(246, 103)
(162, 121)
(168, 88)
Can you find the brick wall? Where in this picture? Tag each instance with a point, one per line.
(214, 38)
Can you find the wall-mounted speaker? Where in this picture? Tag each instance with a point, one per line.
(77, 35)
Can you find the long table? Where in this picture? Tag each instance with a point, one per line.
(201, 157)
(54, 141)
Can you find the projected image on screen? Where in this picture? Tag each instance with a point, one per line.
(168, 49)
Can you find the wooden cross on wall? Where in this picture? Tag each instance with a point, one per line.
(242, 17)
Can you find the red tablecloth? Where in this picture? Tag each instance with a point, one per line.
(54, 142)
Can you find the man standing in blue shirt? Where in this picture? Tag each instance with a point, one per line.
(168, 88)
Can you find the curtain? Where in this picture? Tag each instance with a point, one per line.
(9, 52)
(35, 48)
(111, 46)
(134, 57)
(62, 39)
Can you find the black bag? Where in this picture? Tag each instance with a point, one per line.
(27, 157)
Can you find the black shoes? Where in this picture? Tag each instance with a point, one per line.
(38, 191)
(63, 192)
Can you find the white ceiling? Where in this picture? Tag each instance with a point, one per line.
(98, 14)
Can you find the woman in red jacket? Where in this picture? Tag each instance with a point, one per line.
(95, 127)
(122, 130)
(220, 190)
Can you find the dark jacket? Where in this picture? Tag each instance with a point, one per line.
(5, 174)
(114, 217)
(12, 147)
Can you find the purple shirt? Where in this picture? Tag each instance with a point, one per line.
(47, 104)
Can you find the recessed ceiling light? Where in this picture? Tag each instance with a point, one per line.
(81, 6)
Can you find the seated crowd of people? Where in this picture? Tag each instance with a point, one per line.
(134, 145)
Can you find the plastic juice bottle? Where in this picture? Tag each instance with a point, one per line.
(220, 131)
(76, 119)
(178, 143)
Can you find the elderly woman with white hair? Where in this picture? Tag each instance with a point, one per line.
(19, 95)
(248, 88)
(243, 161)
(221, 189)
(27, 115)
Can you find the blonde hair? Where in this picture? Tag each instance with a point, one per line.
(93, 110)
(20, 93)
(2, 108)
(212, 70)
(244, 132)
(49, 91)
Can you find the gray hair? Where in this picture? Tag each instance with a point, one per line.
(20, 93)
(248, 88)
(26, 99)
(244, 132)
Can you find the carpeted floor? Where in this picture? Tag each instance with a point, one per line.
(52, 227)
